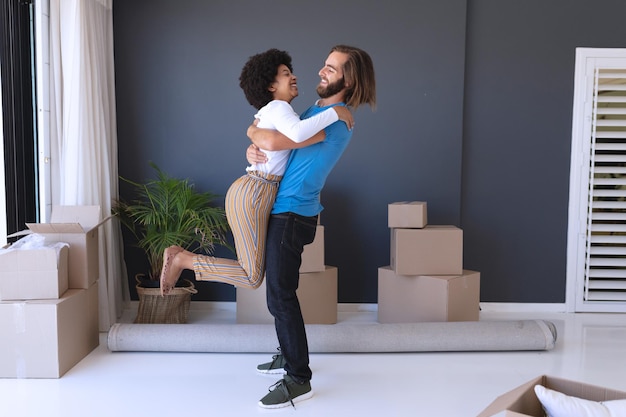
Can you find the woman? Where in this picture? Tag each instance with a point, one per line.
(269, 85)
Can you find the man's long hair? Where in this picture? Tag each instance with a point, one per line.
(358, 72)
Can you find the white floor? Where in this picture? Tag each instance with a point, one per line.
(590, 348)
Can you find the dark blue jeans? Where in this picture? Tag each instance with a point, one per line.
(287, 233)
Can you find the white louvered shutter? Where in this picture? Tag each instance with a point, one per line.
(597, 223)
(606, 222)
(601, 171)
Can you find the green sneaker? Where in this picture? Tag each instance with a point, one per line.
(276, 366)
(285, 392)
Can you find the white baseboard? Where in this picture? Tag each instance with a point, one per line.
(524, 307)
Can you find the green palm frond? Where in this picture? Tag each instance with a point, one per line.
(170, 211)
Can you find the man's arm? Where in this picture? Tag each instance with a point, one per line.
(273, 140)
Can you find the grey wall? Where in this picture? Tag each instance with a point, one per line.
(474, 117)
(517, 135)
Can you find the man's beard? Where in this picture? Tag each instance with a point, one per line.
(331, 89)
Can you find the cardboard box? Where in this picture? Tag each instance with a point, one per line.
(433, 250)
(46, 338)
(522, 400)
(29, 274)
(434, 298)
(407, 214)
(317, 294)
(313, 254)
(78, 226)
(251, 306)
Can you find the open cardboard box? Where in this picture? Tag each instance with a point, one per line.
(522, 401)
(77, 226)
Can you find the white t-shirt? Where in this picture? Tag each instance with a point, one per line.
(279, 115)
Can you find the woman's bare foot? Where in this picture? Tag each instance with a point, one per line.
(170, 272)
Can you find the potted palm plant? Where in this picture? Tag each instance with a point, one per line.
(169, 211)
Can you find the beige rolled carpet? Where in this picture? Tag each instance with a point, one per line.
(338, 338)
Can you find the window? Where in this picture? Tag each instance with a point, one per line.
(597, 218)
(18, 115)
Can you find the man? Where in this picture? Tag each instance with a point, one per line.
(347, 78)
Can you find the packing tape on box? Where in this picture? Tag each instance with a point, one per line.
(20, 366)
(19, 317)
(19, 323)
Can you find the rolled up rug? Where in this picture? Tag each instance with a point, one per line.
(338, 338)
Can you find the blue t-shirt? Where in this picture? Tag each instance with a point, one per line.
(308, 168)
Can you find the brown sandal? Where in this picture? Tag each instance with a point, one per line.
(168, 258)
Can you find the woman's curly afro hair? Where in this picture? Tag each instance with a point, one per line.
(259, 73)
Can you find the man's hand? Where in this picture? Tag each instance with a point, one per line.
(345, 115)
(255, 156)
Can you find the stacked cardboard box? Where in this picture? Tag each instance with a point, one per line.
(426, 280)
(317, 291)
(49, 296)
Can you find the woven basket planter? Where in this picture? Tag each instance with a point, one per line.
(171, 309)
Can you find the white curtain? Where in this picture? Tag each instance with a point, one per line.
(83, 138)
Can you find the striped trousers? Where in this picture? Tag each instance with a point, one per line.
(248, 204)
